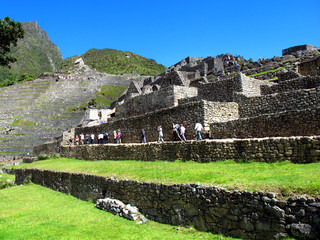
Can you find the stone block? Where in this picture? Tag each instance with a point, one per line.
(262, 226)
(302, 231)
(246, 224)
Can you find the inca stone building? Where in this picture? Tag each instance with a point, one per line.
(245, 117)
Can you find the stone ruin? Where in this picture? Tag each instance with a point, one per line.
(224, 97)
(247, 114)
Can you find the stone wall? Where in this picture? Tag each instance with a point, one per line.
(275, 103)
(224, 90)
(291, 85)
(163, 98)
(291, 50)
(220, 91)
(242, 214)
(284, 124)
(295, 149)
(188, 114)
(311, 68)
(46, 148)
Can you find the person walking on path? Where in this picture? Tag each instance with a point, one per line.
(143, 136)
(198, 128)
(82, 138)
(176, 134)
(92, 138)
(87, 138)
(77, 140)
(105, 137)
(100, 138)
(115, 137)
(182, 132)
(119, 135)
(160, 137)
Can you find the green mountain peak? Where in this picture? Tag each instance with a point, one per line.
(35, 53)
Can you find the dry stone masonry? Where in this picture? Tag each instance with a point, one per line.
(294, 149)
(248, 215)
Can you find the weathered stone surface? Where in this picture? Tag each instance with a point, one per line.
(262, 226)
(303, 231)
(119, 208)
(254, 220)
(246, 224)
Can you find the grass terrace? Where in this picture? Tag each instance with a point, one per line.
(273, 70)
(35, 212)
(284, 178)
(6, 180)
(23, 123)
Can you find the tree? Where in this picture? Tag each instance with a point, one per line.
(10, 32)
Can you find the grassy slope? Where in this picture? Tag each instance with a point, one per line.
(4, 177)
(117, 62)
(283, 177)
(108, 94)
(35, 212)
(104, 98)
(6, 180)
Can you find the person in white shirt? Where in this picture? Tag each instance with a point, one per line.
(92, 138)
(100, 137)
(198, 128)
(82, 138)
(160, 136)
(182, 132)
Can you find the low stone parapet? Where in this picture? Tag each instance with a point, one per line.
(294, 149)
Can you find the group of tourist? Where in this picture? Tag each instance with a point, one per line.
(102, 138)
(178, 130)
(230, 60)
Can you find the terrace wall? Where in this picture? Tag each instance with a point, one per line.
(284, 124)
(279, 102)
(46, 148)
(224, 90)
(291, 85)
(295, 149)
(248, 215)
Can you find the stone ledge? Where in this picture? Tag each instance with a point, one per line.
(302, 149)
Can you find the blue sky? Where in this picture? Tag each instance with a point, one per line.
(168, 31)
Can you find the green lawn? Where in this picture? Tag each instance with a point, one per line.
(4, 177)
(6, 180)
(112, 91)
(35, 212)
(285, 178)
